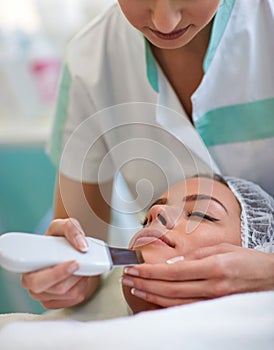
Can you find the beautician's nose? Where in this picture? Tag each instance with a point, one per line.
(162, 214)
(165, 15)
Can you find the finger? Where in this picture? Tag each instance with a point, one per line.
(205, 252)
(42, 280)
(163, 301)
(172, 290)
(55, 293)
(75, 296)
(59, 304)
(72, 230)
(181, 271)
(64, 286)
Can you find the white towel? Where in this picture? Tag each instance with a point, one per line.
(238, 322)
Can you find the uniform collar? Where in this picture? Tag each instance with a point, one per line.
(152, 73)
(219, 25)
(220, 22)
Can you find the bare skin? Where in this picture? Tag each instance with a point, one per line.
(184, 67)
(208, 236)
(236, 269)
(194, 213)
(180, 58)
(57, 287)
(206, 273)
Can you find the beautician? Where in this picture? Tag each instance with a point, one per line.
(198, 73)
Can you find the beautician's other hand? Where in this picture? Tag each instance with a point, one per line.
(57, 287)
(206, 273)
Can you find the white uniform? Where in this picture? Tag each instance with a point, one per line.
(116, 109)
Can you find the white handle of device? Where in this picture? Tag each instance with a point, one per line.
(25, 252)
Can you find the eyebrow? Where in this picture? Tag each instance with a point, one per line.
(200, 197)
(190, 198)
(159, 201)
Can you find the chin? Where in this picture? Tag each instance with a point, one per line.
(152, 254)
(136, 304)
(156, 253)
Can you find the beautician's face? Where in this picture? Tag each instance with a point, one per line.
(195, 213)
(169, 24)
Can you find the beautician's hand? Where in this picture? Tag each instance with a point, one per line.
(206, 273)
(57, 287)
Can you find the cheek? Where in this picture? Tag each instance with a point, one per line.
(234, 232)
(135, 14)
(205, 12)
(216, 235)
(198, 240)
(154, 254)
(202, 235)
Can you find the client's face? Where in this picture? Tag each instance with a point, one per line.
(197, 212)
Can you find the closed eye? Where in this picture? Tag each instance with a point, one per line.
(202, 216)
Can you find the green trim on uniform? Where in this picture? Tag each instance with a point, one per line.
(56, 145)
(219, 25)
(238, 123)
(152, 73)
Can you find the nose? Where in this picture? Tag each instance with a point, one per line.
(165, 16)
(163, 214)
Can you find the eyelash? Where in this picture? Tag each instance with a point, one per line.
(202, 215)
(195, 214)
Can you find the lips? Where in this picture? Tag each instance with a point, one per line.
(148, 236)
(170, 36)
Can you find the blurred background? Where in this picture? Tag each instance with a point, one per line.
(33, 37)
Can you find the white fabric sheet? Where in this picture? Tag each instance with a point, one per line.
(239, 322)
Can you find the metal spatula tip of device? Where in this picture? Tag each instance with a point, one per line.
(121, 256)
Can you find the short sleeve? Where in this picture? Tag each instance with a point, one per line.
(76, 146)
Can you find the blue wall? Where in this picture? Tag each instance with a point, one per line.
(26, 195)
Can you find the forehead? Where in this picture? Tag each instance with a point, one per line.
(203, 186)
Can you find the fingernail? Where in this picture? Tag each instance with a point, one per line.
(127, 282)
(73, 267)
(131, 271)
(82, 243)
(138, 293)
(175, 260)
